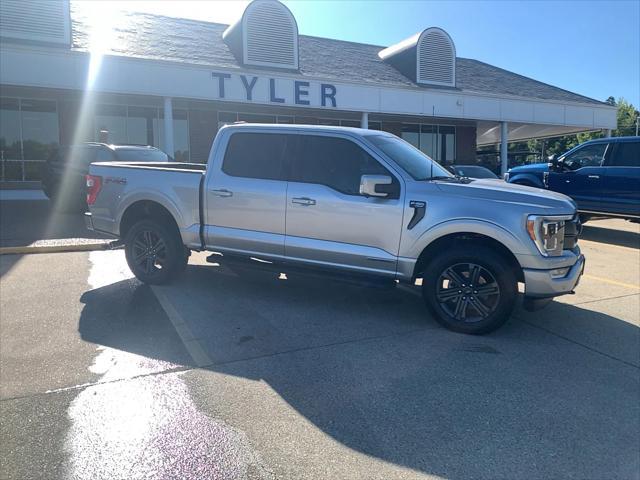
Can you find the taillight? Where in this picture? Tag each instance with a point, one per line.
(94, 184)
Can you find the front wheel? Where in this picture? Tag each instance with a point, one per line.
(470, 289)
(154, 252)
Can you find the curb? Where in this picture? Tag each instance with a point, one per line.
(78, 247)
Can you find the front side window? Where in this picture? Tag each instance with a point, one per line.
(337, 163)
(627, 154)
(255, 155)
(587, 156)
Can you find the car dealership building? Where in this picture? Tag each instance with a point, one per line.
(146, 79)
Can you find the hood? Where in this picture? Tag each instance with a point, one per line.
(534, 167)
(539, 200)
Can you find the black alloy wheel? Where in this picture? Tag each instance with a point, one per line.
(155, 253)
(468, 292)
(149, 252)
(470, 288)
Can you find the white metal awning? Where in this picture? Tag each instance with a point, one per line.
(489, 132)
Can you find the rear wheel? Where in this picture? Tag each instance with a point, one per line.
(155, 252)
(470, 289)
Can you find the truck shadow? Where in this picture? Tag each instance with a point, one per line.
(369, 368)
(622, 238)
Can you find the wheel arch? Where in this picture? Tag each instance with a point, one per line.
(528, 180)
(146, 209)
(466, 238)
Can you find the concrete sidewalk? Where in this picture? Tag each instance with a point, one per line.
(29, 224)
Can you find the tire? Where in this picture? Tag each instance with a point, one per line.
(461, 308)
(155, 252)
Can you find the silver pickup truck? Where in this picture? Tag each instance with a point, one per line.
(355, 202)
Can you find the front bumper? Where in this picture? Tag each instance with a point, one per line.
(540, 283)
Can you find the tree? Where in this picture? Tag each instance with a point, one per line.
(627, 117)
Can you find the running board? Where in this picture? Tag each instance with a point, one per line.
(320, 273)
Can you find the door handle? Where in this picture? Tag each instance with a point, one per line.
(222, 193)
(303, 201)
(594, 176)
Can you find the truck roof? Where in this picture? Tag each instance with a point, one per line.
(612, 140)
(301, 127)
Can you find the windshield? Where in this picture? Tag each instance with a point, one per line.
(141, 155)
(412, 160)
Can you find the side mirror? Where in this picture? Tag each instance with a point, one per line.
(376, 186)
(554, 163)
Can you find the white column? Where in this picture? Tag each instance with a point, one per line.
(504, 138)
(608, 132)
(168, 126)
(364, 121)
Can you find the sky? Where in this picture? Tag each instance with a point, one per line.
(588, 47)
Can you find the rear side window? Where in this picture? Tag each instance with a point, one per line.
(335, 162)
(256, 155)
(627, 154)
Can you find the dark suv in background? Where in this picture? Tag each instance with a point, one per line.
(63, 177)
(602, 176)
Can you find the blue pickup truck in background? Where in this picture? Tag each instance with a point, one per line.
(602, 176)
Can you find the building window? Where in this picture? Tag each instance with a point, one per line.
(28, 134)
(181, 151)
(142, 126)
(122, 124)
(111, 123)
(437, 141)
(226, 118)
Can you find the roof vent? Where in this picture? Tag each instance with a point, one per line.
(266, 36)
(36, 20)
(428, 57)
(436, 57)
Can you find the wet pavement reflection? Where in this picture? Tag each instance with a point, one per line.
(140, 422)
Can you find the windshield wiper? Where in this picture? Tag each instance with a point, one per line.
(446, 178)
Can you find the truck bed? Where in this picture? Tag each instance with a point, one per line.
(175, 186)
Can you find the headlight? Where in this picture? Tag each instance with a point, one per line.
(547, 233)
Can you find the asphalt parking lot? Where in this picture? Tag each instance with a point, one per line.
(239, 373)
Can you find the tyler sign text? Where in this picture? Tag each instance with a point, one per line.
(286, 91)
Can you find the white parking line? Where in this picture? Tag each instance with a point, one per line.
(194, 348)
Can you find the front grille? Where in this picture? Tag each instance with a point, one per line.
(572, 230)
